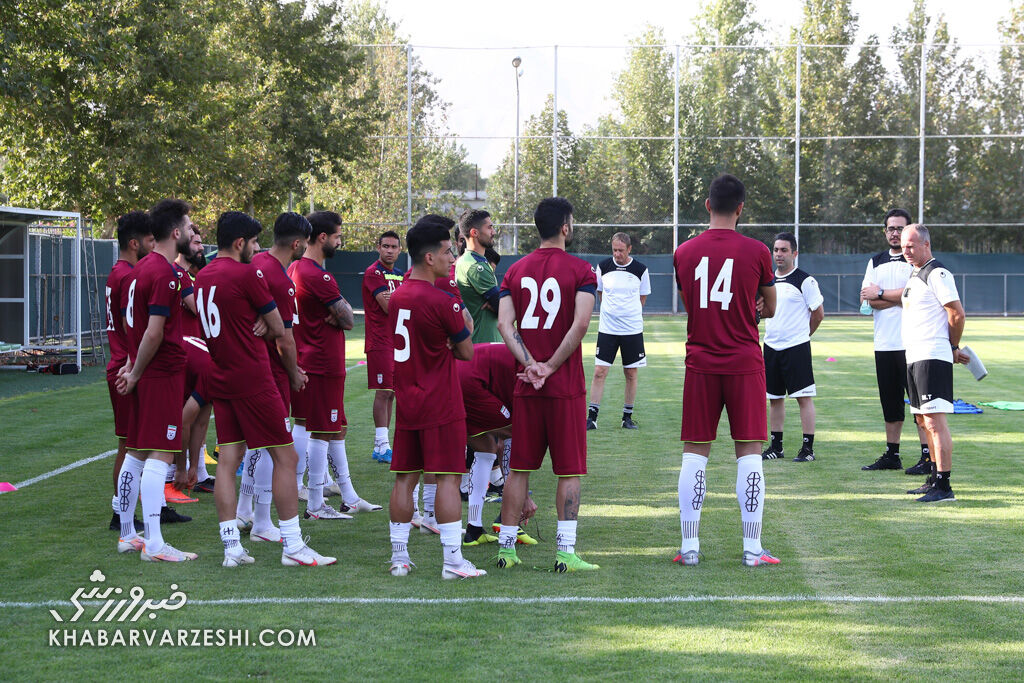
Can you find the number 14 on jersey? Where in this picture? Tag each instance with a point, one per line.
(721, 290)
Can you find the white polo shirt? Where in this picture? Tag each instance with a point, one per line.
(925, 323)
(621, 288)
(888, 271)
(797, 294)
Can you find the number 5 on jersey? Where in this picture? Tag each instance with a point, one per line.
(402, 354)
(721, 290)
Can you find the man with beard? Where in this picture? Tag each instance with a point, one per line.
(475, 277)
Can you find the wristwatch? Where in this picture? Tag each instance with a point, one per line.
(956, 347)
(881, 293)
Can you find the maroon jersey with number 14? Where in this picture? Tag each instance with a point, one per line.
(718, 273)
(427, 390)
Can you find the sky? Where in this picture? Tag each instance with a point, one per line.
(480, 84)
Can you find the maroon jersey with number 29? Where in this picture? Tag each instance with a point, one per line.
(718, 273)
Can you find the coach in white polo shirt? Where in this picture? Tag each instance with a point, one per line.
(889, 270)
(623, 284)
(787, 347)
(933, 321)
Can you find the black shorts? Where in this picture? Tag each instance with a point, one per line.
(789, 372)
(891, 373)
(930, 386)
(632, 345)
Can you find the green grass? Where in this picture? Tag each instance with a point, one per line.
(838, 531)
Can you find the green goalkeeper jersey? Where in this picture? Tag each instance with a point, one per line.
(478, 286)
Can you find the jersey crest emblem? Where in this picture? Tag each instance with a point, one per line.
(291, 291)
(504, 411)
(327, 278)
(334, 415)
(380, 378)
(172, 431)
(173, 284)
(455, 307)
(259, 273)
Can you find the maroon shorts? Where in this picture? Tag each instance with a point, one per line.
(198, 370)
(284, 388)
(380, 369)
(259, 420)
(434, 450)
(325, 403)
(742, 396)
(540, 423)
(300, 403)
(484, 411)
(156, 418)
(122, 406)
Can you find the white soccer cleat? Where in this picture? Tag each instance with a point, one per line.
(243, 523)
(306, 557)
(326, 512)
(428, 525)
(303, 494)
(232, 559)
(132, 545)
(400, 567)
(464, 570)
(417, 519)
(361, 506)
(272, 535)
(167, 554)
(332, 490)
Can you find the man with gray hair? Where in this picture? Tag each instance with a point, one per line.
(623, 285)
(933, 321)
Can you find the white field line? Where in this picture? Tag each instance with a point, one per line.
(570, 599)
(85, 461)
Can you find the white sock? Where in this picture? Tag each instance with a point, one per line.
(229, 537)
(692, 488)
(496, 478)
(301, 438)
(479, 475)
(202, 473)
(750, 494)
(416, 500)
(113, 502)
(429, 491)
(263, 492)
(171, 470)
(464, 483)
(400, 540)
(338, 460)
(247, 488)
(565, 536)
(151, 487)
(292, 535)
(381, 444)
(128, 482)
(507, 536)
(451, 541)
(317, 473)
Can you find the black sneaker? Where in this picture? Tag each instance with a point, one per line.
(169, 516)
(923, 488)
(923, 466)
(591, 424)
(493, 490)
(772, 454)
(886, 462)
(464, 495)
(115, 523)
(205, 486)
(804, 455)
(937, 495)
(628, 423)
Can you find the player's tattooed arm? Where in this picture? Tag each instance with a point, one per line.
(509, 333)
(340, 315)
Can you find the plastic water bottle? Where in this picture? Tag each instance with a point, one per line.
(865, 308)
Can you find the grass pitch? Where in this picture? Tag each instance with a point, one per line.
(842, 535)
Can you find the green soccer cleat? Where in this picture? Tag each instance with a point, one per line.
(507, 558)
(571, 562)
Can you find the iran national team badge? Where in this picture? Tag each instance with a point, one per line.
(172, 431)
(504, 411)
(334, 415)
(380, 378)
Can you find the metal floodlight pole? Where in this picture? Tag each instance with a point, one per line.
(796, 142)
(675, 177)
(554, 133)
(77, 299)
(516, 61)
(920, 144)
(408, 135)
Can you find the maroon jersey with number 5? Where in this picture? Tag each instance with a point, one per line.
(718, 274)
(543, 288)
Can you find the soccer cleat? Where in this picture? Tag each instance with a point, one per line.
(115, 523)
(571, 562)
(771, 454)
(886, 462)
(923, 466)
(591, 425)
(243, 523)
(757, 559)
(326, 512)
(400, 567)
(523, 538)
(937, 495)
(493, 490)
(332, 490)
(382, 456)
(475, 535)
(306, 557)
(417, 519)
(463, 570)
(428, 525)
(464, 495)
(304, 494)
(237, 559)
(360, 506)
(173, 495)
(804, 455)
(507, 558)
(271, 535)
(132, 545)
(628, 423)
(205, 486)
(687, 559)
(169, 516)
(167, 554)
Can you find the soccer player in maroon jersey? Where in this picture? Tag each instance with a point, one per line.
(134, 241)
(546, 302)
(230, 295)
(291, 234)
(430, 428)
(379, 281)
(724, 279)
(324, 315)
(153, 372)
